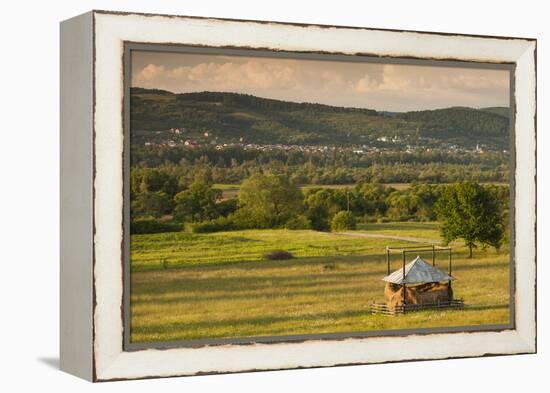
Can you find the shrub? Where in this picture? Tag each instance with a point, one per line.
(216, 225)
(369, 219)
(278, 255)
(298, 222)
(343, 220)
(227, 207)
(148, 226)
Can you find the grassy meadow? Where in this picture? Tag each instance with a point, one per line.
(188, 286)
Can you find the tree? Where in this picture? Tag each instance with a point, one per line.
(472, 212)
(342, 221)
(321, 206)
(269, 200)
(151, 204)
(298, 222)
(152, 180)
(198, 203)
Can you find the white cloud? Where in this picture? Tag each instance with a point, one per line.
(392, 87)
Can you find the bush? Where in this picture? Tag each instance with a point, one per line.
(343, 220)
(369, 219)
(217, 225)
(278, 255)
(148, 226)
(298, 222)
(227, 207)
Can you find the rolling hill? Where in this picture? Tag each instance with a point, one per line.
(231, 117)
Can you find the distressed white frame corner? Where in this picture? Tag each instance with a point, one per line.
(92, 47)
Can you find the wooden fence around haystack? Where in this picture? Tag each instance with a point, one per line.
(384, 309)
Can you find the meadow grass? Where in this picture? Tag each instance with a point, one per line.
(421, 230)
(182, 249)
(219, 285)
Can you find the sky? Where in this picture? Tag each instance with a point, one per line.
(386, 87)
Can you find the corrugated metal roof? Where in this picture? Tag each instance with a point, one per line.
(418, 272)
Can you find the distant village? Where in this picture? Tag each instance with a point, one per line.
(175, 137)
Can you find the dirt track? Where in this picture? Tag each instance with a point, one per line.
(380, 236)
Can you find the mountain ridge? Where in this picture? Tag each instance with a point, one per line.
(231, 117)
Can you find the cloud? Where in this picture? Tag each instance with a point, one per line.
(379, 86)
(250, 75)
(396, 77)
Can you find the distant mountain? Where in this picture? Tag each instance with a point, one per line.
(232, 117)
(499, 110)
(458, 123)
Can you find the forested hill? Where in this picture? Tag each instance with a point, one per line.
(231, 117)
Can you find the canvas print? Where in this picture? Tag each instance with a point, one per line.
(274, 197)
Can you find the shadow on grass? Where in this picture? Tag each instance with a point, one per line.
(165, 328)
(262, 264)
(322, 294)
(250, 283)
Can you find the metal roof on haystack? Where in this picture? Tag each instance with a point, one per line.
(418, 272)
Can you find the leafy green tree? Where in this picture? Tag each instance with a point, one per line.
(342, 221)
(152, 180)
(198, 203)
(320, 207)
(298, 222)
(269, 200)
(402, 205)
(154, 204)
(472, 212)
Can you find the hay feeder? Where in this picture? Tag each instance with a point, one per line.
(417, 285)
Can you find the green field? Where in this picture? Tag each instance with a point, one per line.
(219, 285)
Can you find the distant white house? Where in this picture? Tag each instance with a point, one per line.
(190, 143)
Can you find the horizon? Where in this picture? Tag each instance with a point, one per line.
(320, 103)
(377, 86)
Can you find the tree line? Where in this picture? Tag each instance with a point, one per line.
(234, 164)
(477, 213)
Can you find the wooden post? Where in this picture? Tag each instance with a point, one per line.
(450, 269)
(433, 254)
(388, 259)
(404, 285)
(450, 264)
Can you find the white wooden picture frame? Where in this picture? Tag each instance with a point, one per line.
(92, 165)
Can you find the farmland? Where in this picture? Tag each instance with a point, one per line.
(218, 285)
(219, 181)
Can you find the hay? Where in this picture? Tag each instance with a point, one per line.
(430, 293)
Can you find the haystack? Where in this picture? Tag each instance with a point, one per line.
(418, 283)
